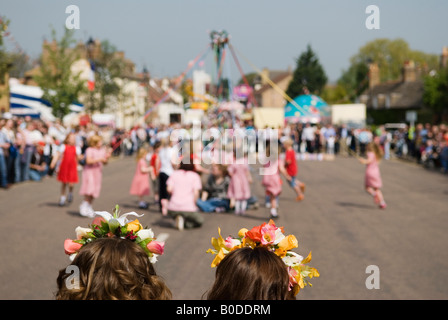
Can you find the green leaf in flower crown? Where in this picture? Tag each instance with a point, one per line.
(113, 225)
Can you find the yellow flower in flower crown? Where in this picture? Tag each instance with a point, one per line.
(220, 249)
(288, 243)
(134, 226)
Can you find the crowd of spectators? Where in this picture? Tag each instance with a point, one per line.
(27, 145)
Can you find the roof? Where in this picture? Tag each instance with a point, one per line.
(275, 77)
(395, 95)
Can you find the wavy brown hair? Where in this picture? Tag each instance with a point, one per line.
(113, 269)
(251, 274)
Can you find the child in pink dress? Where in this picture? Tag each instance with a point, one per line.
(140, 182)
(239, 186)
(271, 180)
(373, 182)
(96, 157)
(184, 185)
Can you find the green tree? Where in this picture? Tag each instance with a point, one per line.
(435, 94)
(309, 75)
(108, 67)
(5, 60)
(390, 55)
(60, 86)
(354, 80)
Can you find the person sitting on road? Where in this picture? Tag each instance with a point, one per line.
(214, 194)
(184, 185)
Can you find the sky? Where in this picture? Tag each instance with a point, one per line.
(165, 35)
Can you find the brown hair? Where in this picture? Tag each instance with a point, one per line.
(376, 149)
(113, 269)
(251, 274)
(93, 141)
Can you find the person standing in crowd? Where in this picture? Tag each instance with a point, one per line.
(68, 156)
(4, 148)
(10, 153)
(96, 157)
(373, 182)
(140, 182)
(308, 136)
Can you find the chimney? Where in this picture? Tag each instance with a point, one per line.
(374, 75)
(409, 72)
(444, 57)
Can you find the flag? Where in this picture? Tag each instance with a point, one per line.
(91, 80)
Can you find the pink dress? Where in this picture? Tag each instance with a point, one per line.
(92, 174)
(239, 188)
(271, 180)
(140, 182)
(373, 176)
(184, 184)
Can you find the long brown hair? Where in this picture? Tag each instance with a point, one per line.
(251, 274)
(113, 269)
(376, 149)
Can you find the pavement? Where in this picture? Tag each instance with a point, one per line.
(338, 221)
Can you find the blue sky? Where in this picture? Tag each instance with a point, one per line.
(166, 35)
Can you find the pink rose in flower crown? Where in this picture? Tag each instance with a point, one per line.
(267, 234)
(71, 247)
(156, 247)
(231, 242)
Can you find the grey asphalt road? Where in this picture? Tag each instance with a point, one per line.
(337, 221)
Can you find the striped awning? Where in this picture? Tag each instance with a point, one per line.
(27, 100)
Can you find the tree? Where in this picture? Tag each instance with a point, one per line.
(309, 76)
(108, 67)
(435, 94)
(60, 86)
(354, 80)
(5, 61)
(390, 55)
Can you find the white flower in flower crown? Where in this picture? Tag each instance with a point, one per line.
(279, 236)
(82, 232)
(292, 259)
(121, 219)
(153, 259)
(145, 234)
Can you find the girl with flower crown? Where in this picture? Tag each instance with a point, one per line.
(114, 258)
(258, 264)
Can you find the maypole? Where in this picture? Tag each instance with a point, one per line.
(218, 42)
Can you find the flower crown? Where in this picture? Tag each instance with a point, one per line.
(272, 238)
(113, 225)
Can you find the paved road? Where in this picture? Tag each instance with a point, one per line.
(337, 221)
